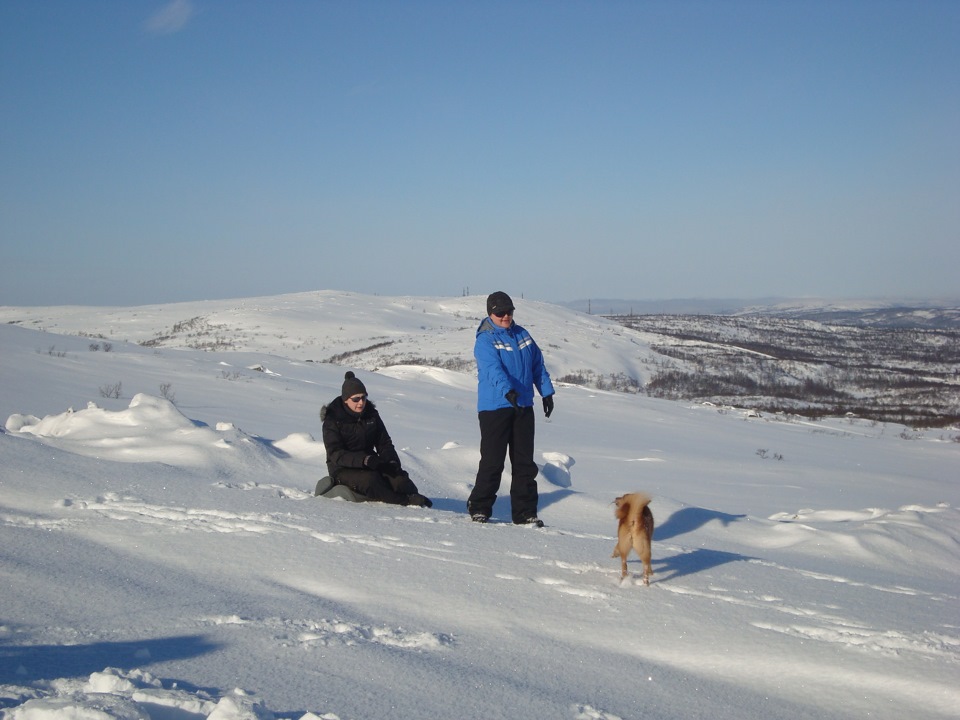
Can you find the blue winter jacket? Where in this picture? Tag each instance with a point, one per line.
(508, 359)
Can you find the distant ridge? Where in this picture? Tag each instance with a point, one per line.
(824, 309)
(678, 306)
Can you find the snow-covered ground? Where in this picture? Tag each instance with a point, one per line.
(168, 559)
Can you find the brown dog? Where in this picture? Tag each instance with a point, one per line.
(635, 531)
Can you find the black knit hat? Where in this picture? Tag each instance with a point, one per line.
(499, 302)
(351, 386)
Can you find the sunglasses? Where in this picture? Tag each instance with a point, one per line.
(503, 313)
(357, 398)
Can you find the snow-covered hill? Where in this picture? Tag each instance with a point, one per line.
(163, 555)
(362, 331)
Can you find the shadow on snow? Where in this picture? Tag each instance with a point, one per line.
(26, 663)
(689, 519)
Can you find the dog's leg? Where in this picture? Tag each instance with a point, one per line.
(642, 546)
(622, 550)
(645, 536)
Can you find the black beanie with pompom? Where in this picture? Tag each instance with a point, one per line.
(351, 386)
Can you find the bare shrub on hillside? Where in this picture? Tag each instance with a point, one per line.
(615, 381)
(213, 344)
(197, 333)
(457, 364)
(166, 392)
(339, 358)
(584, 378)
(112, 391)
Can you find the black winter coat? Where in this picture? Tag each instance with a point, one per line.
(349, 438)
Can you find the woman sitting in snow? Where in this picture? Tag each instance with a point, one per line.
(360, 453)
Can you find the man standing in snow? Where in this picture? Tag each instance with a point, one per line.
(509, 366)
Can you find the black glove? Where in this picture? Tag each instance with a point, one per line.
(373, 462)
(548, 405)
(511, 397)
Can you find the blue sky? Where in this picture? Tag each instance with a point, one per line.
(197, 149)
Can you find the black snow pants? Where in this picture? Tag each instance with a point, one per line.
(500, 431)
(393, 489)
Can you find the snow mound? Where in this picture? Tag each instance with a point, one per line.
(302, 446)
(556, 469)
(114, 694)
(151, 429)
(441, 376)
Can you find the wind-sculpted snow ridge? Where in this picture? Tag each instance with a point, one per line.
(114, 694)
(152, 429)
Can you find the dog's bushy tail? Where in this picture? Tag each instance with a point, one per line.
(631, 505)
